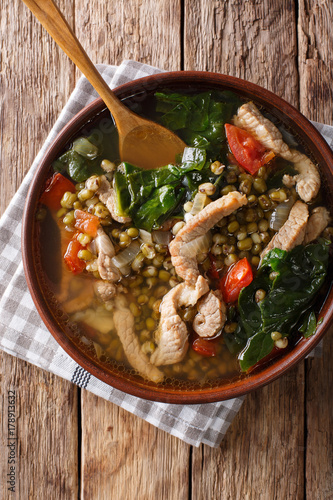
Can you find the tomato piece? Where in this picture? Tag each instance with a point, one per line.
(71, 258)
(205, 347)
(239, 276)
(55, 189)
(86, 223)
(248, 152)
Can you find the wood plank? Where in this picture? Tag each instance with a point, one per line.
(261, 456)
(250, 40)
(315, 40)
(244, 39)
(45, 453)
(316, 70)
(123, 456)
(147, 31)
(32, 95)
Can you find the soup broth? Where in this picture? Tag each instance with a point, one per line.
(84, 273)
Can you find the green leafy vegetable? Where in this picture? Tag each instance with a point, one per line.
(198, 119)
(309, 325)
(82, 160)
(157, 208)
(300, 274)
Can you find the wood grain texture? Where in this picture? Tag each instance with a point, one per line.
(33, 92)
(249, 40)
(124, 457)
(262, 454)
(316, 102)
(315, 41)
(46, 427)
(148, 31)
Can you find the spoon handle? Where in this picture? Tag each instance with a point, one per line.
(56, 25)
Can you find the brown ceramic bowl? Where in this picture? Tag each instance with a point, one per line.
(136, 91)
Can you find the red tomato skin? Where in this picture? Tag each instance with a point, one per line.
(205, 347)
(239, 276)
(248, 152)
(86, 223)
(57, 185)
(71, 258)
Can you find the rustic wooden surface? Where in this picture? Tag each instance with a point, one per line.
(72, 444)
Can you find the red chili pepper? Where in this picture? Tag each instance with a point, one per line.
(248, 152)
(71, 258)
(238, 276)
(86, 223)
(57, 185)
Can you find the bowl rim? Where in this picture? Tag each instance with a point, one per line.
(140, 389)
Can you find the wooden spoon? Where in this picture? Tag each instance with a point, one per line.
(142, 142)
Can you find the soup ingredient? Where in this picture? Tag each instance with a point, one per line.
(86, 222)
(309, 325)
(205, 347)
(198, 119)
(182, 255)
(124, 325)
(248, 152)
(281, 213)
(172, 334)
(107, 195)
(74, 263)
(307, 180)
(106, 268)
(293, 230)
(106, 290)
(318, 221)
(304, 268)
(56, 187)
(238, 276)
(211, 315)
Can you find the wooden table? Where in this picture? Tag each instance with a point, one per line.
(72, 444)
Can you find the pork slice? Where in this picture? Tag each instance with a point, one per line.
(293, 230)
(211, 315)
(107, 270)
(106, 194)
(172, 332)
(318, 221)
(105, 290)
(183, 255)
(249, 118)
(307, 180)
(124, 325)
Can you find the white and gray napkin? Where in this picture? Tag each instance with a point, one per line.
(24, 335)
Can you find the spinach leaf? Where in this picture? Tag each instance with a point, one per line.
(300, 274)
(198, 119)
(309, 325)
(78, 167)
(157, 209)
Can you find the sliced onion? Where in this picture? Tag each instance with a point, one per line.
(199, 202)
(85, 148)
(281, 214)
(161, 237)
(124, 258)
(199, 245)
(146, 237)
(98, 349)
